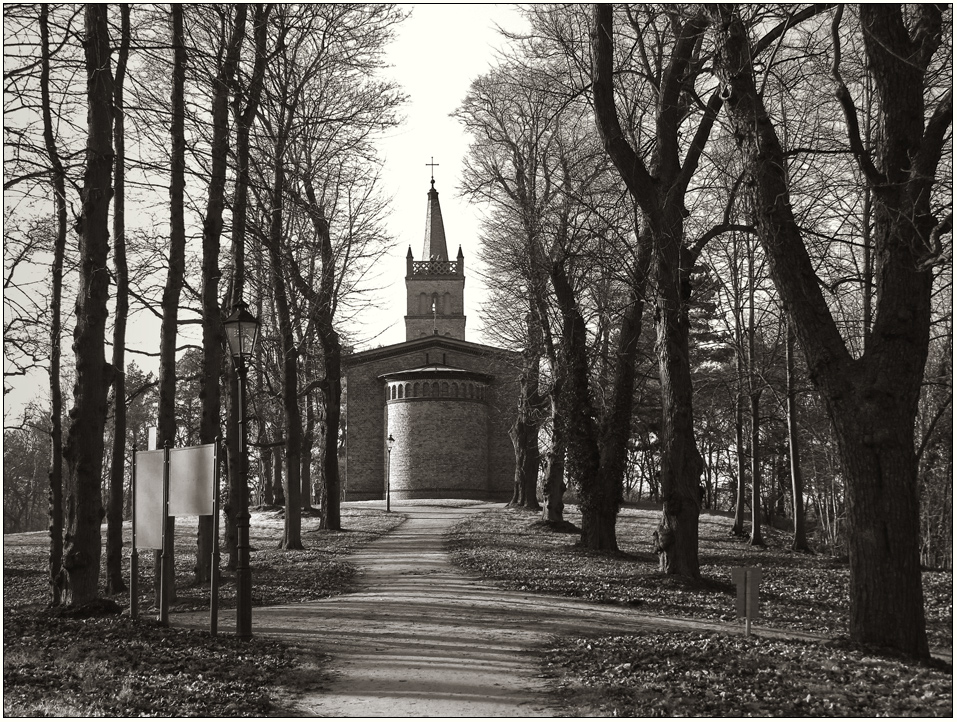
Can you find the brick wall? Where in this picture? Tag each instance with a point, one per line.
(449, 319)
(441, 448)
(367, 413)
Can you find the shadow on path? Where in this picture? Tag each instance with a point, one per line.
(423, 639)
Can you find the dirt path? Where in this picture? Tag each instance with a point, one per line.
(423, 639)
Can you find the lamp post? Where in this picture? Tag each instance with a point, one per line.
(389, 443)
(242, 331)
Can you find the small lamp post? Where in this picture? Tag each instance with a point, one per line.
(242, 331)
(389, 443)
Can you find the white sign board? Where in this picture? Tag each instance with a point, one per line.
(192, 471)
(148, 511)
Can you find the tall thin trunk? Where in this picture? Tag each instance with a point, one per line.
(212, 363)
(114, 515)
(681, 463)
(524, 431)
(868, 272)
(265, 473)
(166, 423)
(599, 502)
(83, 451)
(238, 494)
(754, 394)
(737, 529)
(56, 271)
(553, 486)
(756, 539)
(278, 488)
(289, 362)
(799, 542)
(326, 303)
(308, 439)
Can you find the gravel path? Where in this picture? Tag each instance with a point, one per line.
(422, 639)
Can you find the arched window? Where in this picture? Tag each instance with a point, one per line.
(436, 309)
(435, 388)
(415, 389)
(400, 391)
(408, 390)
(423, 303)
(447, 304)
(445, 388)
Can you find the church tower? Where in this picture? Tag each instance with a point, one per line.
(435, 286)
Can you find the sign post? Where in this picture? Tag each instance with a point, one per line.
(748, 580)
(169, 483)
(134, 555)
(166, 556)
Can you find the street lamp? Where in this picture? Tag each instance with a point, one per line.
(242, 330)
(389, 443)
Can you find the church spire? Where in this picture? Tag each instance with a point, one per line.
(434, 248)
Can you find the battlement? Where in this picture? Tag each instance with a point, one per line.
(436, 268)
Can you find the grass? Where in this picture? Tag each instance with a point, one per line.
(667, 673)
(110, 665)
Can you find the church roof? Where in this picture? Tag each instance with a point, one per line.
(426, 343)
(435, 370)
(434, 248)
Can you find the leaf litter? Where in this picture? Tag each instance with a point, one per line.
(710, 674)
(108, 665)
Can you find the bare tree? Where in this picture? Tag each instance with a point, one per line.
(871, 400)
(114, 513)
(83, 451)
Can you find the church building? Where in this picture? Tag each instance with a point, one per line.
(448, 403)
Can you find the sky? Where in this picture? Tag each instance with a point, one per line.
(438, 51)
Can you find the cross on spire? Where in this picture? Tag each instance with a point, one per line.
(432, 164)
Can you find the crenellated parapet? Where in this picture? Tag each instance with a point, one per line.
(437, 268)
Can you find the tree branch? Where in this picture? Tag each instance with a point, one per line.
(874, 177)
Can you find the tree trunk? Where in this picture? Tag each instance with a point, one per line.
(597, 497)
(516, 434)
(324, 302)
(212, 363)
(737, 529)
(308, 440)
(755, 396)
(755, 539)
(799, 542)
(56, 272)
(83, 451)
(166, 424)
(238, 497)
(289, 364)
(553, 487)
(114, 515)
(524, 432)
(278, 488)
(661, 199)
(524, 436)
(681, 465)
(265, 473)
(871, 401)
